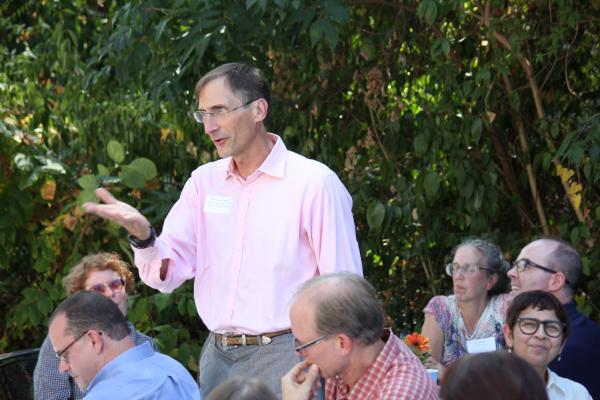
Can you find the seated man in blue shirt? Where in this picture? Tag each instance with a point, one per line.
(91, 338)
(553, 265)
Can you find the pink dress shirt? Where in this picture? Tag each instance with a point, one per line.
(250, 243)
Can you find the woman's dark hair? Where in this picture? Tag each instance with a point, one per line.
(242, 389)
(492, 376)
(539, 300)
(493, 260)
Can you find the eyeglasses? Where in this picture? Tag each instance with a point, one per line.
(217, 114)
(524, 263)
(299, 348)
(467, 269)
(530, 326)
(61, 354)
(114, 285)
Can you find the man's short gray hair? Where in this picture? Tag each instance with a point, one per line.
(345, 303)
(566, 259)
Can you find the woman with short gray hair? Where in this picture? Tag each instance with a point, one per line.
(470, 320)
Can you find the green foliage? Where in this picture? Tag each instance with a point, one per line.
(424, 108)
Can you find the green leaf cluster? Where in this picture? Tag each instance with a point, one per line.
(426, 109)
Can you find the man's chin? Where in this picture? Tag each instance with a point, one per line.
(82, 386)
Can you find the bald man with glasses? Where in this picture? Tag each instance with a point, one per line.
(553, 265)
(337, 323)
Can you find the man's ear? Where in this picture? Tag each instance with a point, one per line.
(557, 281)
(262, 107)
(96, 340)
(343, 343)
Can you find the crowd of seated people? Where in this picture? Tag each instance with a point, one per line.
(488, 343)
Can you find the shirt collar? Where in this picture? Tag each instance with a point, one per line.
(553, 382)
(135, 353)
(374, 371)
(273, 165)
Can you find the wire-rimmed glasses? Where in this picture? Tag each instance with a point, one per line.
(216, 114)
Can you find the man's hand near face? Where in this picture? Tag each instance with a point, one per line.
(301, 382)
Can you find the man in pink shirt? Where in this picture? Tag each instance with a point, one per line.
(249, 229)
(338, 325)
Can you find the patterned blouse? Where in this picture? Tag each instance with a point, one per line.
(50, 384)
(446, 313)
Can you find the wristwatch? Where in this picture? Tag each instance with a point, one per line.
(142, 244)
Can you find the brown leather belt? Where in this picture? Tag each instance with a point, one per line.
(235, 339)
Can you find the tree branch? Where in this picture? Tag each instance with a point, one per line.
(537, 100)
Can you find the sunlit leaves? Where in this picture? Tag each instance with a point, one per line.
(115, 151)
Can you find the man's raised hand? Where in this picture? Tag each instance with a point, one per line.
(120, 212)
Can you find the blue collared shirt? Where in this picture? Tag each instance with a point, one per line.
(141, 373)
(51, 384)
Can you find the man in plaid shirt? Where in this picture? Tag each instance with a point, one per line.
(337, 323)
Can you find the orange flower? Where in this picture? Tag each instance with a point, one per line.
(417, 341)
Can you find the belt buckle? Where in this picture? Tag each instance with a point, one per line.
(265, 340)
(226, 335)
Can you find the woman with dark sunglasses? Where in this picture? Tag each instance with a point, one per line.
(536, 330)
(106, 274)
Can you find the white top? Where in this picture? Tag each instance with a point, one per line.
(559, 388)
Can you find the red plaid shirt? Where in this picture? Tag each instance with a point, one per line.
(396, 373)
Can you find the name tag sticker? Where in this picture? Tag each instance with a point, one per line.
(481, 345)
(218, 204)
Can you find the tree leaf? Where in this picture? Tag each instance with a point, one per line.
(161, 301)
(144, 166)
(23, 162)
(337, 11)
(316, 32)
(48, 190)
(431, 184)
(102, 170)
(115, 151)
(331, 34)
(85, 196)
(476, 128)
(132, 178)
(421, 144)
(89, 181)
(375, 215)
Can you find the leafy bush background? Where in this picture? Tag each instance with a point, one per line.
(445, 119)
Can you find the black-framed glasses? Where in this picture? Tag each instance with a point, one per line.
(114, 285)
(530, 326)
(524, 263)
(217, 114)
(301, 347)
(467, 269)
(61, 354)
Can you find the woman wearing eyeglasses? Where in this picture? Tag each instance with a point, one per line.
(536, 330)
(470, 320)
(106, 274)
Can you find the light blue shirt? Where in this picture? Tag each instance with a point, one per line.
(142, 373)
